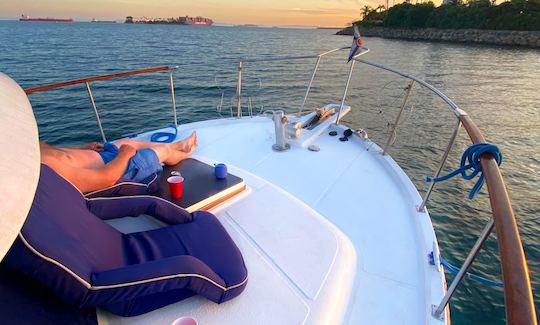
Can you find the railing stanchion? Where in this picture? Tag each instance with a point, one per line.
(345, 92)
(438, 310)
(310, 83)
(95, 111)
(239, 92)
(171, 79)
(422, 206)
(401, 109)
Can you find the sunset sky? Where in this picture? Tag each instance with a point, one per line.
(262, 12)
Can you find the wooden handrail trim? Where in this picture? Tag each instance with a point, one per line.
(517, 286)
(102, 77)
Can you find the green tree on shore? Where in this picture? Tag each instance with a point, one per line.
(474, 14)
(364, 12)
(372, 16)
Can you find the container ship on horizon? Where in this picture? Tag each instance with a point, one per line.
(52, 20)
(187, 20)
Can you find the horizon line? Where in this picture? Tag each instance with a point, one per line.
(218, 24)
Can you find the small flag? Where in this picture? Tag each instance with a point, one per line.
(356, 44)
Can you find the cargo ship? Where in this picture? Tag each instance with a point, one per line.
(187, 20)
(51, 20)
(196, 21)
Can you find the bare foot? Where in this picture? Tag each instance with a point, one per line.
(192, 139)
(188, 144)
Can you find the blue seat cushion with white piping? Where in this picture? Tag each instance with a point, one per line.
(149, 185)
(66, 246)
(25, 301)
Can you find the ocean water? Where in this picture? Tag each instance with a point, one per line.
(497, 86)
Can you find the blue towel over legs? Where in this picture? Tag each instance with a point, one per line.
(141, 166)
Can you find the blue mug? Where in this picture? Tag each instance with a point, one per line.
(220, 171)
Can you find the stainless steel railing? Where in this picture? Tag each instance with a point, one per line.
(453, 106)
(319, 56)
(87, 81)
(438, 310)
(517, 287)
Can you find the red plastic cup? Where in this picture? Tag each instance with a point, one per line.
(176, 186)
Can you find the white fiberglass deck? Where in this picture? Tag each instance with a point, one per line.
(282, 214)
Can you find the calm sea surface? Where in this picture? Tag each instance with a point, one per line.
(498, 86)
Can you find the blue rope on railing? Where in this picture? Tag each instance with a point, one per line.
(165, 137)
(454, 269)
(471, 160)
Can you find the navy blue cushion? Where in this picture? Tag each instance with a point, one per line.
(148, 186)
(66, 245)
(25, 301)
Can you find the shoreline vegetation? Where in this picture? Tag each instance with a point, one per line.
(514, 22)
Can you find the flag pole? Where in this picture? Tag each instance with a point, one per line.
(356, 49)
(351, 68)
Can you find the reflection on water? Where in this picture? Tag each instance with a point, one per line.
(497, 86)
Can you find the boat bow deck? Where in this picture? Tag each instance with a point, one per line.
(281, 220)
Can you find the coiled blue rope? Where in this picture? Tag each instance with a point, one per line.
(471, 160)
(454, 269)
(165, 137)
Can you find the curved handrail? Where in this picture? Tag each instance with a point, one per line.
(294, 57)
(518, 296)
(101, 77)
(319, 56)
(517, 287)
(455, 108)
(86, 82)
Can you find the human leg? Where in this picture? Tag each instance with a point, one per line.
(167, 153)
(183, 145)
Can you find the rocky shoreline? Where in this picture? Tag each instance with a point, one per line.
(494, 37)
